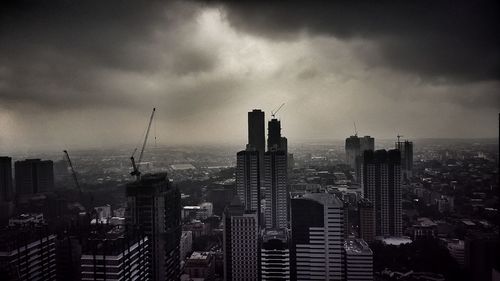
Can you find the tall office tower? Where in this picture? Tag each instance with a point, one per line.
(381, 182)
(257, 133)
(28, 253)
(154, 205)
(274, 134)
(275, 184)
(240, 243)
(6, 192)
(284, 144)
(354, 149)
(366, 143)
(248, 179)
(275, 255)
(352, 146)
(406, 149)
(34, 176)
(317, 237)
(358, 260)
(366, 220)
(115, 255)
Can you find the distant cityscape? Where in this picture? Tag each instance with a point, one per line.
(269, 209)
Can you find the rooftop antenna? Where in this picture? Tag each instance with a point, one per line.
(273, 112)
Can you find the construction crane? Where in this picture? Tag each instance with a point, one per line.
(135, 166)
(399, 137)
(73, 173)
(273, 112)
(355, 129)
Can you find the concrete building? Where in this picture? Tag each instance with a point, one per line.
(276, 187)
(381, 183)
(115, 255)
(356, 146)
(6, 188)
(200, 266)
(186, 244)
(154, 206)
(34, 176)
(28, 253)
(240, 243)
(317, 237)
(275, 255)
(358, 260)
(366, 220)
(406, 149)
(248, 179)
(274, 134)
(257, 134)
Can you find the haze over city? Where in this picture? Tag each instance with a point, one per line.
(86, 74)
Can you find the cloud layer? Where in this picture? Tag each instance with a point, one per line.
(88, 73)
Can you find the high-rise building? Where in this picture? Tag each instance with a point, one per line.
(28, 253)
(200, 266)
(354, 149)
(352, 146)
(34, 176)
(240, 243)
(257, 133)
(6, 192)
(115, 254)
(274, 134)
(358, 260)
(406, 149)
(248, 179)
(381, 182)
(366, 220)
(317, 237)
(275, 255)
(154, 205)
(276, 187)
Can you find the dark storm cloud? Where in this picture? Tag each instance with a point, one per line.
(60, 54)
(452, 40)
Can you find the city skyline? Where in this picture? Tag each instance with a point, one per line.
(67, 78)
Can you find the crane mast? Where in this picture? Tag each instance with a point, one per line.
(135, 166)
(273, 113)
(73, 173)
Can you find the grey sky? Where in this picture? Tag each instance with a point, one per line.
(88, 74)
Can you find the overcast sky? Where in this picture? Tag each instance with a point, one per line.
(88, 74)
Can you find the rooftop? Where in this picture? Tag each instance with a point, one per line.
(357, 247)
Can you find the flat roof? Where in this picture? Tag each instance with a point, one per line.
(357, 247)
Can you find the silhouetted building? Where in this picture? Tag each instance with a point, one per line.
(366, 220)
(276, 187)
(381, 182)
(317, 237)
(248, 179)
(27, 253)
(273, 134)
(358, 260)
(116, 254)
(6, 188)
(257, 133)
(240, 243)
(220, 195)
(406, 149)
(154, 205)
(275, 255)
(34, 176)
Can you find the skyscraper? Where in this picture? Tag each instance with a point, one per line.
(6, 192)
(154, 206)
(276, 187)
(406, 149)
(240, 243)
(257, 133)
(354, 148)
(275, 255)
(366, 220)
(34, 176)
(358, 260)
(274, 134)
(381, 182)
(317, 237)
(248, 179)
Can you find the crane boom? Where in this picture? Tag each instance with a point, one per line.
(135, 166)
(273, 113)
(73, 173)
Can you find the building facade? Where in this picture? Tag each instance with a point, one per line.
(317, 237)
(406, 149)
(154, 206)
(276, 187)
(358, 260)
(275, 255)
(248, 179)
(381, 182)
(34, 176)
